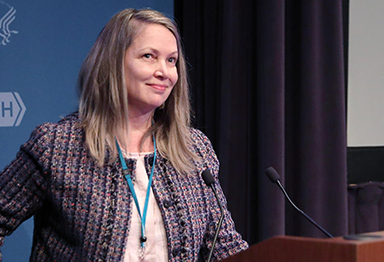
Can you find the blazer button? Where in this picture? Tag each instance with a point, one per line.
(167, 203)
(175, 252)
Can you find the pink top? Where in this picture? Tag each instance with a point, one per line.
(156, 249)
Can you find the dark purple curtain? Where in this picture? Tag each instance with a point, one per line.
(267, 83)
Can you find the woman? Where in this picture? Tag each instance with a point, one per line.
(120, 180)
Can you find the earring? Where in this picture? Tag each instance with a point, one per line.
(162, 106)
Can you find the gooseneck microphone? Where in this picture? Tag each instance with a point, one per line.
(210, 181)
(275, 178)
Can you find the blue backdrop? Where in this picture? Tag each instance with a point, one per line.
(42, 46)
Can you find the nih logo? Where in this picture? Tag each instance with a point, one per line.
(5, 21)
(12, 109)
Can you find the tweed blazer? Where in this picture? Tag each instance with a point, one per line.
(82, 211)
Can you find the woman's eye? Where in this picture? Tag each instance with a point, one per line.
(172, 60)
(148, 56)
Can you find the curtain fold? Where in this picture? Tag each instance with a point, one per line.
(267, 86)
(315, 134)
(269, 81)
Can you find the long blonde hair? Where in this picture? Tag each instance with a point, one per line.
(103, 105)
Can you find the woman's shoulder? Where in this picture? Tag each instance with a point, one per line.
(198, 134)
(50, 135)
(71, 120)
(69, 124)
(203, 147)
(199, 138)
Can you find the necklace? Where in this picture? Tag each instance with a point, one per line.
(143, 216)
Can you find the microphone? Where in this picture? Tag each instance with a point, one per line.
(210, 181)
(275, 178)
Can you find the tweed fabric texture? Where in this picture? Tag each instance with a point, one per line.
(82, 211)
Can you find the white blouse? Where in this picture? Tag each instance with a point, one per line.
(156, 249)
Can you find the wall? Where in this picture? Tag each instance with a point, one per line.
(366, 77)
(42, 45)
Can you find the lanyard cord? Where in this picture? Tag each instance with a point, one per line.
(143, 217)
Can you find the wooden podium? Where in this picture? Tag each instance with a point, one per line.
(358, 248)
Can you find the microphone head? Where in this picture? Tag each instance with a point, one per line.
(207, 177)
(272, 174)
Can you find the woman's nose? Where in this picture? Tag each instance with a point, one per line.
(162, 70)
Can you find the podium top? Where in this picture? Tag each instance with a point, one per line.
(367, 247)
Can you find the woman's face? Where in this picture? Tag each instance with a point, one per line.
(150, 68)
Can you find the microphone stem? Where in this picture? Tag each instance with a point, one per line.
(302, 212)
(219, 224)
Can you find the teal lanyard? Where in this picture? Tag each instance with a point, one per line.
(143, 217)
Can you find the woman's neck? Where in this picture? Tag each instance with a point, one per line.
(137, 127)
